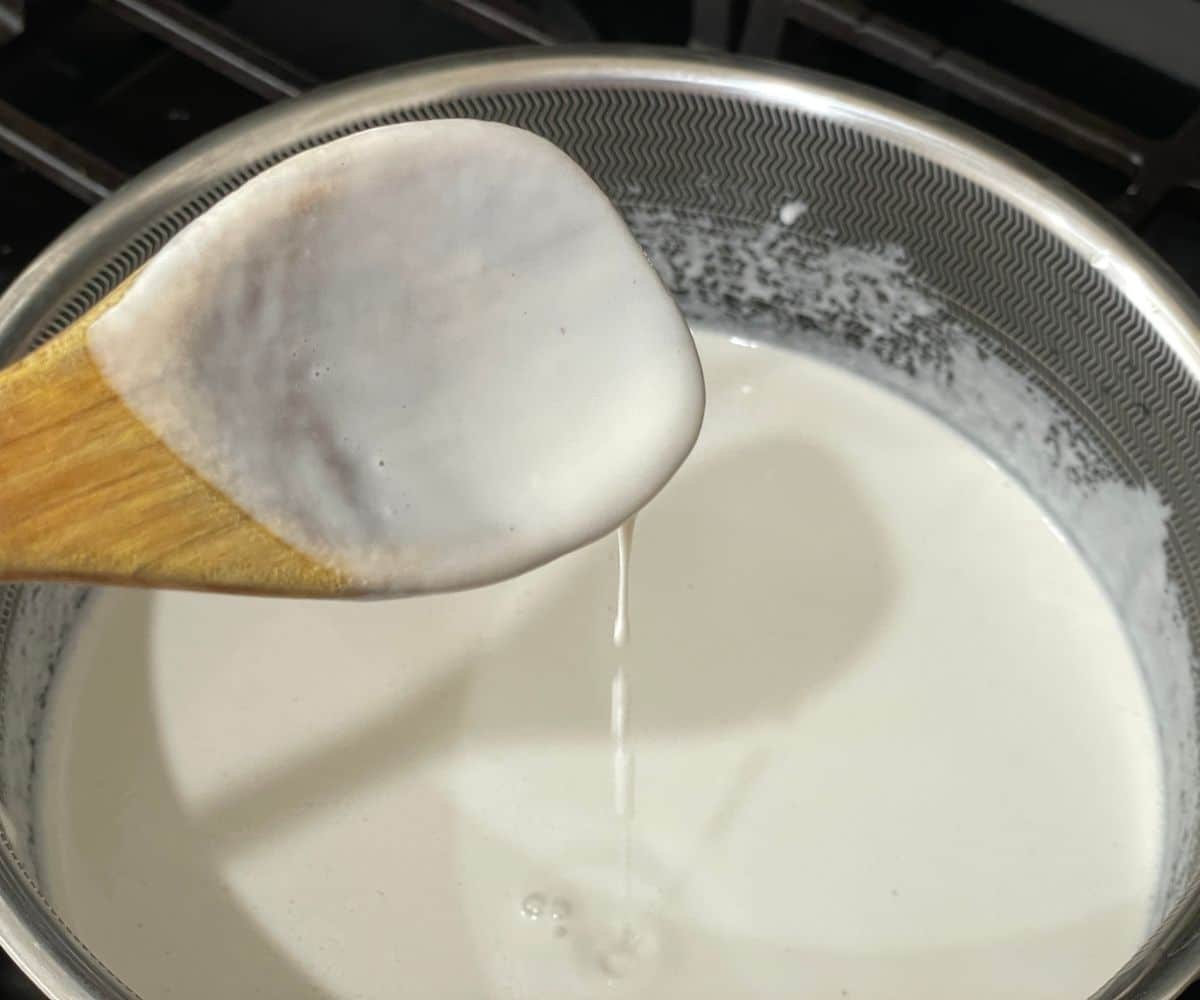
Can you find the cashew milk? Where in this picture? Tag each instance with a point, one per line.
(891, 742)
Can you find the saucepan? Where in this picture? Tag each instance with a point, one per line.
(824, 217)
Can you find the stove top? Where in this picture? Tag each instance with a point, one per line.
(93, 91)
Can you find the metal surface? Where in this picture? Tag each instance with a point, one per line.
(1013, 254)
(58, 159)
(1154, 167)
(930, 59)
(1174, 162)
(215, 46)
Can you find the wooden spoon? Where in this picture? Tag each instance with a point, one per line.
(88, 492)
(504, 379)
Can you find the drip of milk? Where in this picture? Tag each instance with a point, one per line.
(891, 743)
(622, 754)
(618, 955)
(392, 350)
(624, 553)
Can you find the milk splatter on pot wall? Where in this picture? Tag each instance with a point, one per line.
(866, 308)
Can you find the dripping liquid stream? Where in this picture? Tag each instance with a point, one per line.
(623, 761)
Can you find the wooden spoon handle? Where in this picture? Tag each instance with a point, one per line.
(89, 493)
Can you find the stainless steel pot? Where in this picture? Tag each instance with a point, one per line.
(816, 213)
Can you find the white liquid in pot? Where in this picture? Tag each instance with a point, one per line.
(891, 743)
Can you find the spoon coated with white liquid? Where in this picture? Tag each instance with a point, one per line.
(420, 358)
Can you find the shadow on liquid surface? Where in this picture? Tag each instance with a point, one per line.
(732, 630)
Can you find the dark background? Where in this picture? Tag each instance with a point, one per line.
(1105, 92)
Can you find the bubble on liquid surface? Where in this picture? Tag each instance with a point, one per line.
(560, 909)
(627, 954)
(623, 955)
(533, 906)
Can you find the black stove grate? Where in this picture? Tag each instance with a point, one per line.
(81, 83)
(1154, 166)
(91, 93)
(1124, 132)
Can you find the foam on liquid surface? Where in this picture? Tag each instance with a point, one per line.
(891, 742)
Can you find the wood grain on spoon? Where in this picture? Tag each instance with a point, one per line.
(88, 492)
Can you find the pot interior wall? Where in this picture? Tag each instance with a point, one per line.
(811, 233)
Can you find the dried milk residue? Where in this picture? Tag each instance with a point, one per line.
(866, 309)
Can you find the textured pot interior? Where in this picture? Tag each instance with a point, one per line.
(818, 216)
